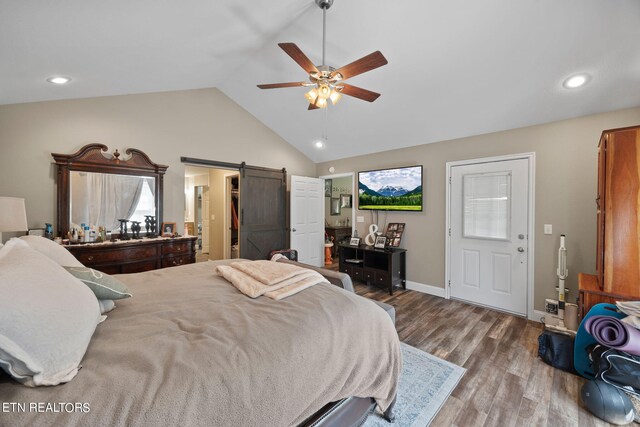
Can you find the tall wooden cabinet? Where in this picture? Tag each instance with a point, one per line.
(618, 225)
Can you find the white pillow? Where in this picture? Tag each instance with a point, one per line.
(53, 250)
(106, 305)
(47, 317)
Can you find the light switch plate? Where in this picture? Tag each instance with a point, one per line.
(359, 219)
(548, 229)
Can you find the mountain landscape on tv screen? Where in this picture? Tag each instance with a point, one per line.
(390, 197)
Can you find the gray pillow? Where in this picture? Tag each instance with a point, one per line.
(47, 317)
(103, 285)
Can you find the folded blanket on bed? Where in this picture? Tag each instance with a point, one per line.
(271, 279)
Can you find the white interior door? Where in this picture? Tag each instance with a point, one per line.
(307, 219)
(206, 218)
(488, 228)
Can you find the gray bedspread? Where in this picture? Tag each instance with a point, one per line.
(190, 350)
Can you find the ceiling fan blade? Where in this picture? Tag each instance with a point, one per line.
(358, 92)
(362, 65)
(297, 55)
(313, 107)
(279, 85)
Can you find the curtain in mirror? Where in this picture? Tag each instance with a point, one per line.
(101, 199)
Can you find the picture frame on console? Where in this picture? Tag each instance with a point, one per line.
(394, 233)
(355, 241)
(168, 229)
(381, 242)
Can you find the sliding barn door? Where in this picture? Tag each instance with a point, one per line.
(263, 218)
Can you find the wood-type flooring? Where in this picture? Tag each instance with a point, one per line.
(506, 384)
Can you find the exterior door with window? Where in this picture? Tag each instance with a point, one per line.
(488, 229)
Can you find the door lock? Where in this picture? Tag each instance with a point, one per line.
(293, 229)
(521, 236)
(520, 249)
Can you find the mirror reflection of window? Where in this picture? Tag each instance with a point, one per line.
(146, 204)
(101, 199)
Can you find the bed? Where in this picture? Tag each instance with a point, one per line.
(189, 349)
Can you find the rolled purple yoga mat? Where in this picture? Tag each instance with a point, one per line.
(613, 333)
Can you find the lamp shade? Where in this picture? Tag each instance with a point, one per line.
(13, 215)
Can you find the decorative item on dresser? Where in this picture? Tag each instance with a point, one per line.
(617, 251)
(134, 256)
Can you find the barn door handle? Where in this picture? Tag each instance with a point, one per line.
(242, 216)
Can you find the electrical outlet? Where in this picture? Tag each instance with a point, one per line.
(359, 219)
(548, 229)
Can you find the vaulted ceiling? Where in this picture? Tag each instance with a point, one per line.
(456, 68)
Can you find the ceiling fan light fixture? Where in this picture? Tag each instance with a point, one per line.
(312, 95)
(326, 81)
(324, 91)
(335, 96)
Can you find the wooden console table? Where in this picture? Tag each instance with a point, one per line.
(134, 256)
(382, 267)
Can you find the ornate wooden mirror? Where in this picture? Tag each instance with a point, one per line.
(98, 188)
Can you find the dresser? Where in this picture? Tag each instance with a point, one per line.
(617, 275)
(134, 256)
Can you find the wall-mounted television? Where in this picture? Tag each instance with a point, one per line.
(398, 189)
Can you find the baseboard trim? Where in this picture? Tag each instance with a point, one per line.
(426, 289)
(537, 316)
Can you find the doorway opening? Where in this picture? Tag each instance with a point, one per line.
(339, 211)
(211, 211)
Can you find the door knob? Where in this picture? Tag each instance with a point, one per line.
(520, 249)
(293, 229)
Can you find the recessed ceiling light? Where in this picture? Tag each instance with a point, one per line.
(576, 81)
(59, 80)
(319, 144)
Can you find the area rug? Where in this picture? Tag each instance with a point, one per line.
(425, 384)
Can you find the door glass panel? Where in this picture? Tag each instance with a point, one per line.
(486, 205)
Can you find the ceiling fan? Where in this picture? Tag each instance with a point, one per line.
(327, 82)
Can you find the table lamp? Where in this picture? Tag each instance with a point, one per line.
(13, 215)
